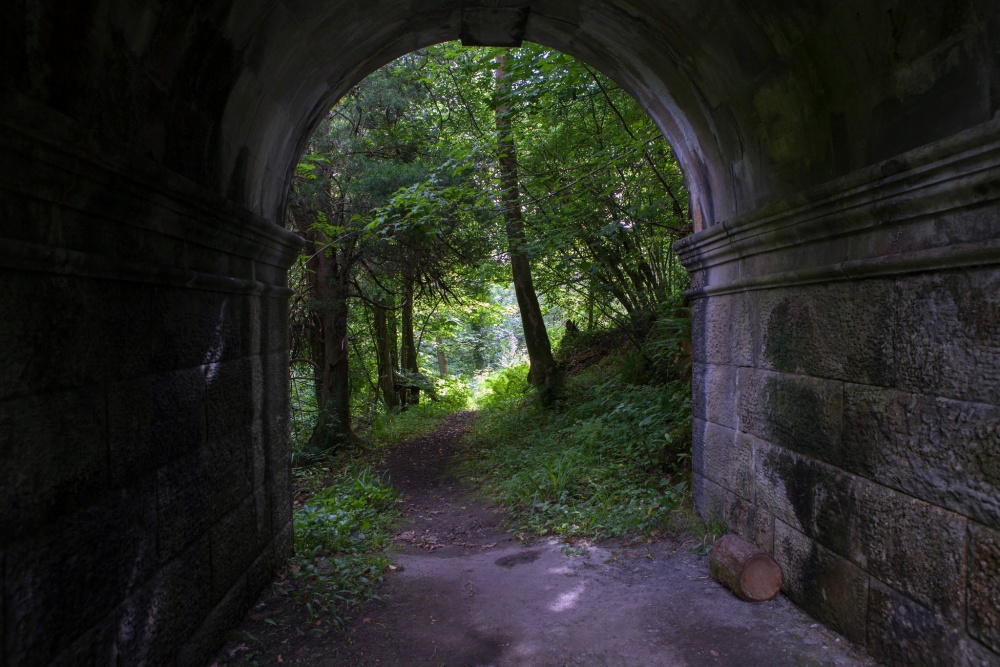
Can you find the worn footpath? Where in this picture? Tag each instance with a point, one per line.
(466, 592)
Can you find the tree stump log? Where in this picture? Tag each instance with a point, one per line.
(744, 569)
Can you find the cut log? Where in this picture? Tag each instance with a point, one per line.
(744, 569)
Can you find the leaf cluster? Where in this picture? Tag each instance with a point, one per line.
(340, 533)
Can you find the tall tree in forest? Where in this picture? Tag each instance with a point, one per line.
(328, 270)
(604, 195)
(409, 364)
(544, 372)
(357, 158)
(387, 361)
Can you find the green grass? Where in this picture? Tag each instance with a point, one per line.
(610, 460)
(340, 534)
(452, 395)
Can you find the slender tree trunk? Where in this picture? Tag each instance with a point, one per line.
(544, 372)
(478, 349)
(590, 304)
(409, 352)
(398, 392)
(386, 353)
(439, 348)
(442, 359)
(316, 349)
(327, 282)
(334, 424)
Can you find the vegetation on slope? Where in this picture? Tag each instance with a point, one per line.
(612, 458)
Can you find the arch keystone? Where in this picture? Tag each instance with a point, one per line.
(494, 26)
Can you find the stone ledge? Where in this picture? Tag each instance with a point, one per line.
(973, 153)
(960, 256)
(23, 256)
(34, 132)
(848, 215)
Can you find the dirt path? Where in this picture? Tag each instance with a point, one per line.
(466, 593)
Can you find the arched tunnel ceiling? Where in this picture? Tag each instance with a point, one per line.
(760, 100)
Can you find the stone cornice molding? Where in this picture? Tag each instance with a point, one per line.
(31, 131)
(957, 174)
(32, 257)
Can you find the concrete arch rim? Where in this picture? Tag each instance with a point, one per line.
(698, 162)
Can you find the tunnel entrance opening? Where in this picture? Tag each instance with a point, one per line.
(404, 200)
(421, 190)
(842, 160)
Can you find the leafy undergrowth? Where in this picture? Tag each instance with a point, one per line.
(340, 533)
(452, 395)
(344, 511)
(610, 460)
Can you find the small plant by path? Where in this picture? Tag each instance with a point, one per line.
(342, 527)
(340, 534)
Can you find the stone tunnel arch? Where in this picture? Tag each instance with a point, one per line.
(266, 192)
(801, 122)
(843, 164)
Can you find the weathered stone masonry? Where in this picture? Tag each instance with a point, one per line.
(145, 482)
(842, 159)
(847, 397)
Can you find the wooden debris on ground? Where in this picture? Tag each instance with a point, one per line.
(745, 569)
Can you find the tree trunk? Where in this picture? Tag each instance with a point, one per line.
(385, 349)
(744, 569)
(334, 425)
(544, 372)
(409, 352)
(395, 349)
(478, 348)
(442, 360)
(327, 282)
(590, 305)
(316, 348)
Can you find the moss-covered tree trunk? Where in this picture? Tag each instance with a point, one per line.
(544, 372)
(328, 285)
(439, 350)
(408, 353)
(386, 350)
(333, 427)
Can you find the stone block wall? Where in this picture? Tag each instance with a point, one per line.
(847, 398)
(144, 480)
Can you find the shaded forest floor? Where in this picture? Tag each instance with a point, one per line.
(466, 592)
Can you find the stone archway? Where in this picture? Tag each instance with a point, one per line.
(843, 163)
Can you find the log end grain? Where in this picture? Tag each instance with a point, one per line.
(744, 569)
(761, 578)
